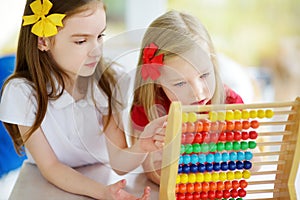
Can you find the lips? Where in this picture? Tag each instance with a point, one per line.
(202, 102)
(93, 64)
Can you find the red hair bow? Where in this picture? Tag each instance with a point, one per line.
(151, 63)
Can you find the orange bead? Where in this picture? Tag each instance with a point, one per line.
(190, 127)
(254, 124)
(213, 186)
(214, 126)
(229, 125)
(246, 124)
(222, 126)
(182, 188)
(206, 126)
(205, 187)
(228, 185)
(177, 188)
(198, 126)
(198, 187)
(235, 184)
(183, 127)
(243, 183)
(190, 187)
(238, 125)
(220, 186)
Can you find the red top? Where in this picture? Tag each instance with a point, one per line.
(140, 120)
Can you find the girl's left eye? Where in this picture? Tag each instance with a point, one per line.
(80, 42)
(179, 84)
(101, 35)
(205, 75)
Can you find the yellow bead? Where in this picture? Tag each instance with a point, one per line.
(178, 179)
(246, 174)
(215, 176)
(213, 116)
(260, 113)
(184, 178)
(237, 114)
(222, 176)
(192, 178)
(253, 114)
(229, 115)
(230, 176)
(185, 117)
(192, 117)
(207, 177)
(221, 116)
(238, 175)
(269, 113)
(245, 114)
(199, 177)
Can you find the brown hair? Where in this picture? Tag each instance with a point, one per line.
(39, 68)
(174, 33)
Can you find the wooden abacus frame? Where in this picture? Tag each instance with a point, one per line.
(286, 158)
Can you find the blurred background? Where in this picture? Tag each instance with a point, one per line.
(257, 41)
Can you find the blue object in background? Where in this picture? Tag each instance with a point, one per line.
(9, 159)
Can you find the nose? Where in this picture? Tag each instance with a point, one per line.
(96, 50)
(200, 89)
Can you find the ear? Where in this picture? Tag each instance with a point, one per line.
(43, 43)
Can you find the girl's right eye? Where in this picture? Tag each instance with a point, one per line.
(180, 84)
(80, 42)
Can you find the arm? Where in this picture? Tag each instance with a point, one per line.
(67, 178)
(120, 154)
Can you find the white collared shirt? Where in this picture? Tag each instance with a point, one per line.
(73, 129)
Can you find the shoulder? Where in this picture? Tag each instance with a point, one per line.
(231, 97)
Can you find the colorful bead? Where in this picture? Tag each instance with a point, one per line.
(252, 114)
(248, 155)
(269, 113)
(229, 115)
(192, 117)
(199, 177)
(261, 114)
(237, 114)
(246, 174)
(245, 114)
(192, 178)
(213, 116)
(221, 116)
(185, 117)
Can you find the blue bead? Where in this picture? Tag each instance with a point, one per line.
(209, 167)
(233, 156)
(201, 168)
(194, 159)
(179, 169)
(202, 158)
(239, 165)
(247, 164)
(218, 157)
(231, 165)
(248, 155)
(240, 156)
(224, 166)
(186, 169)
(186, 159)
(180, 160)
(225, 157)
(193, 168)
(217, 166)
(210, 158)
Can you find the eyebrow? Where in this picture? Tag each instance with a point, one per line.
(84, 34)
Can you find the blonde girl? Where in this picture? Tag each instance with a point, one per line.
(59, 101)
(177, 63)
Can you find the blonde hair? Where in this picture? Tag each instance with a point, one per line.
(174, 33)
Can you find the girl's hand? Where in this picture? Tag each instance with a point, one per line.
(152, 138)
(115, 192)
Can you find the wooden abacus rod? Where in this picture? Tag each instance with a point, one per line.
(202, 108)
(266, 172)
(270, 153)
(274, 133)
(279, 162)
(272, 123)
(272, 143)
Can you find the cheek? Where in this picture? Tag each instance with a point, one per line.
(177, 94)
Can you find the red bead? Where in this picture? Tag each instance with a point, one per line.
(254, 124)
(213, 137)
(211, 195)
(189, 196)
(180, 196)
(246, 124)
(222, 137)
(219, 194)
(198, 138)
(203, 195)
(196, 195)
(226, 194)
(183, 138)
(237, 136)
(189, 138)
(234, 193)
(253, 135)
(242, 192)
(205, 137)
(229, 136)
(245, 135)
(214, 126)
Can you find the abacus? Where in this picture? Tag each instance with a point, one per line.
(231, 151)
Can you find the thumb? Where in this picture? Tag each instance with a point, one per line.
(116, 187)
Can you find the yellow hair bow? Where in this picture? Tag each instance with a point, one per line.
(43, 26)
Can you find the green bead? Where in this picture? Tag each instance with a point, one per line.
(205, 148)
(228, 146)
(236, 146)
(252, 144)
(244, 145)
(212, 147)
(188, 148)
(182, 149)
(220, 146)
(196, 148)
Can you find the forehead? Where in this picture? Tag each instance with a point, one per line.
(193, 62)
(92, 20)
